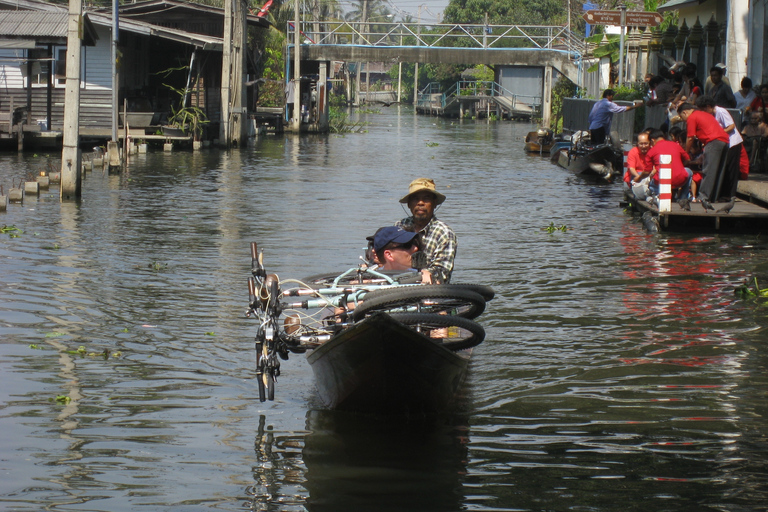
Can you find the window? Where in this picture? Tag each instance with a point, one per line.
(40, 61)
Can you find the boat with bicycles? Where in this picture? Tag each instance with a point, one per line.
(377, 342)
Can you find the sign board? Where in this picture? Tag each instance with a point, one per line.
(633, 18)
(643, 19)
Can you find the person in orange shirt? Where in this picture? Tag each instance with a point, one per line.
(636, 169)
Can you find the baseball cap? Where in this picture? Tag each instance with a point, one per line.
(391, 234)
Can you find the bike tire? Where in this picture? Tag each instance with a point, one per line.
(326, 280)
(270, 385)
(483, 290)
(260, 377)
(429, 299)
(463, 333)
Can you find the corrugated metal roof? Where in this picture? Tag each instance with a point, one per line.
(676, 4)
(33, 24)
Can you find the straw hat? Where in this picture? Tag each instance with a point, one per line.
(420, 184)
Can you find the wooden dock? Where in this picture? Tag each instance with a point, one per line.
(744, 217)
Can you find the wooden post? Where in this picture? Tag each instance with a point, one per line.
(322, 98)
(546, 99)
(226, 74)
(70, 154)
(665, 183)
(237, 112)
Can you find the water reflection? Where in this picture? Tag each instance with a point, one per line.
(369, 463)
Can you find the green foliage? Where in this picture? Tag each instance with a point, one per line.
(505, 12)
(338, 122)
(271, 67)
(552, 228)
(563, 88)
(752, 290)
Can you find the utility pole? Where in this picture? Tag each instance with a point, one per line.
(623, 9)
(113, 147)
(226, 75)
(70, 154)
(115, 81)
(416, 67)
(296, 117)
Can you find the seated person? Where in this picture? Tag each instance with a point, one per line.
(756, 127)
(756, 142)
(394, 247)
(680, 176)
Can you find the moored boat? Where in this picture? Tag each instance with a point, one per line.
(540, 141)
(603, 161)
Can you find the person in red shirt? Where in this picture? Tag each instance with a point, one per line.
(714, 140)
(681, 177)
(636, 169)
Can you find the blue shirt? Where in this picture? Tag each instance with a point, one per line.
(602, 114)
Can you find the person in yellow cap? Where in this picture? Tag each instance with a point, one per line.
(438, 240)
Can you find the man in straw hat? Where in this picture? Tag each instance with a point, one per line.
(438, 240)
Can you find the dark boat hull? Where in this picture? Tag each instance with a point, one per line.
(380, 366)
(593, 162)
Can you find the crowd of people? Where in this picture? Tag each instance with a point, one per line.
(709, 153)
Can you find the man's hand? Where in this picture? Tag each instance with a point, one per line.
(426, 276)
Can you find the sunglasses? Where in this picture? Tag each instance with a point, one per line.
(404, 246)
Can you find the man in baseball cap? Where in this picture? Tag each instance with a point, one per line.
(394, 246)
(438, 240)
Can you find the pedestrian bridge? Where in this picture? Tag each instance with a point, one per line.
(492, 45)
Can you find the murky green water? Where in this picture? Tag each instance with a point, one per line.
(619, 371)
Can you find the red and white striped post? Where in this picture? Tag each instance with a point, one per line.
(665, 183)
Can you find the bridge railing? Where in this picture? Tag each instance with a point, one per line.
(431, 94)
(441, 35)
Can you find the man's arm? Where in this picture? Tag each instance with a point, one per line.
(441, 262)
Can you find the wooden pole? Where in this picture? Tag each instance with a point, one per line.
(226, 75)
(239, 42)
(70, 154)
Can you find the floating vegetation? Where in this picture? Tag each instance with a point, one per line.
(62, 399)
(54, 334)
(368, 111)
(210, 333)
(158, 266)
(54, 247)
(431, 144)
(34, 347)
(749, 290)
(338, 122)
(552, 228)
(11, 231)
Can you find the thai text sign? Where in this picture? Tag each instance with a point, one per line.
(633, 18)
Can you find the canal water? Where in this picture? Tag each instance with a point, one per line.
(619, 373)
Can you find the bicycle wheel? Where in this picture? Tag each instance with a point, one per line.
(485, 291)
(454, 332)
(326, 280)
(270, 385)
(435, 298)
(260, 376)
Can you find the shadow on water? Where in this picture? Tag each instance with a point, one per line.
(357, 462)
